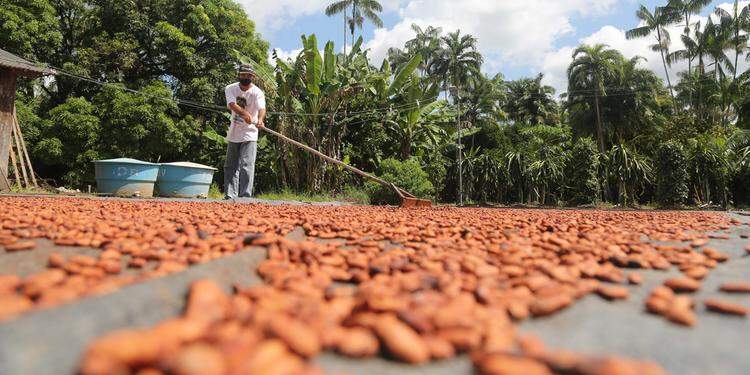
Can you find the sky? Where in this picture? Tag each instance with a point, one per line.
(518, 38)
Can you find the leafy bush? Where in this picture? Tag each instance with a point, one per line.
(671, 174)
(407, 175)
(583, 173)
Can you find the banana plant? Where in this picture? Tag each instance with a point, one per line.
(321, 95)
(630, 169)
(386, 85)
(414, 127)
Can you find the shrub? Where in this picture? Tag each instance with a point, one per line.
(407, 175)
(583, 173)
(671, 175)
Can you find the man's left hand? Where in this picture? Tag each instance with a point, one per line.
(260, 124)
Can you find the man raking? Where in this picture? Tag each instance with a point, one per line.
(248, 105)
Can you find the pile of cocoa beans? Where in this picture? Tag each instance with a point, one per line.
(414, 285)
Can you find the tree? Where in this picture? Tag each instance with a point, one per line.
(735, 23)
(29, 28)
(426, 42)
(655, 22)
(683, 9)
(671, 175)
(531, 102)
(582, 172)
(630, 169)
(459, 59)
(181, 49)
(361, 10)
(590, 69)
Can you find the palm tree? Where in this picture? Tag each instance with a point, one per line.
(427, 43)
(683, 9)
(459, 59)
(591, 67)
(531, 102)
(631, 170)
(361, 10)
(655, 22)
(735, 23)
(717, 42)
(696, 46)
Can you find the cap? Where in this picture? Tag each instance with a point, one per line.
(246, 68)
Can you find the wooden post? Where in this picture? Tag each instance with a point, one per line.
(23, 147)
(21, 162)
(7, 101)
(15, 167)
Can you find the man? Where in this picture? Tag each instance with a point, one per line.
(248, 105)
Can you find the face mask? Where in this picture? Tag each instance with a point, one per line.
(246, 81)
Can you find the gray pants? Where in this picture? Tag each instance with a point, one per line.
(239, 169)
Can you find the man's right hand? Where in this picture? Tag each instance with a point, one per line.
(248, 119)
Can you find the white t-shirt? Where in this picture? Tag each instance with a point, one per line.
(252, 100)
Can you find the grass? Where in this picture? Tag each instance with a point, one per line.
(349, 195)
(214, 192)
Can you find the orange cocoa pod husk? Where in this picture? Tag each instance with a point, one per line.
(657, 305)
(635, 278)
(20, 246)
(207, 301)
(612, 292)
(56, 260)
(128, 347)
(725, 307)
(358, 343)
(531, 346)
(683, 284)
(681, 311)
(439, 348)
(296, 335)
(197, 359)
(401, 340)
(12, 305)
(463, 339)
(505, 364)
(735, 287)
(9, 283)
(549, 305)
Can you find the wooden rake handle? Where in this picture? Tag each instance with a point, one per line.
(399, 191)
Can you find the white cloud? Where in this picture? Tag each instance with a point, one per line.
(509, 31)
(555, 63)
(271, 16)
(284, 55)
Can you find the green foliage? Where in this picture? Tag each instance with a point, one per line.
(70, 141)
(29, 27)
(710, 163)
(176, 49)
(515, 136)
(671, 175)
(630, 170)
(407, 175)
(582, 173)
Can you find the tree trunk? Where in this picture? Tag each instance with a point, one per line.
(599, 130)
(7, 102)
(345, 57)
(666, 72)
(687, 32)
(701, 72)
(283, 151)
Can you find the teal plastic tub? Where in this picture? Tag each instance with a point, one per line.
(126, 177)
(184, 180)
